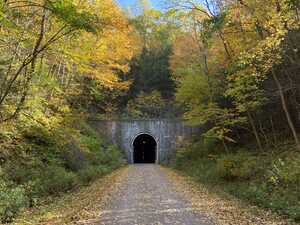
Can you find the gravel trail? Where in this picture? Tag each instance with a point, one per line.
(147, 196)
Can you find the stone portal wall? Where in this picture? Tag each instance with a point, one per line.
(165, 132)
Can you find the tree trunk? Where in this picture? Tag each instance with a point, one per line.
(255, 131)
(273, 132)
(263, 133)
(285, 109)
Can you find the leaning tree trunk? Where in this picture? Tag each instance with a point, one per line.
(285, 109)
(255, 131)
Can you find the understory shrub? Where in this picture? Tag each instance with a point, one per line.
(74, 158)
(12, 200)
(43, 163)
(38, 135)
(114, 157)
(285, 172)
(267, 180)
(55, 180)
(193, 150)
(89, 173)
(240, 165)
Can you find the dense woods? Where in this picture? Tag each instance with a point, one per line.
(239, 71)
(56, 56)
(236, 66)
(230, 66)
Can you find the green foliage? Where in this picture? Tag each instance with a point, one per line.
(12, 200)
(146, 106)
(294, 4)
(91, 143)
(38, 135)
(267, 180)
(55, 180)
(49, 163)
(67, 11)
(150, 71)
(240, 165)
(90, 173)
(74, 157)
(114, 156)
(246, 90)
(150, 68)
(194, 90)
(231, 63)
(212, 25)
(284, 172)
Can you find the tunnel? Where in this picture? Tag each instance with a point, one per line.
(144, 149)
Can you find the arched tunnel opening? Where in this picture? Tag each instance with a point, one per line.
(144, 149)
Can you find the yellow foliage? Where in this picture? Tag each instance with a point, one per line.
(104, 55)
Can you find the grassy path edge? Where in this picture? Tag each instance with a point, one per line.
(224, 208)
(82, 204)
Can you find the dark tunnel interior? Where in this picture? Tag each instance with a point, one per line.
(144, 149)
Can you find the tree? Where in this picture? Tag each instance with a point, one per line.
(146, 106)
(150, 68)
(64, 43)
(244, 49)
(26, 36)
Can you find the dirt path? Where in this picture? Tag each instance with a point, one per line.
(147, 197)
(153, 195)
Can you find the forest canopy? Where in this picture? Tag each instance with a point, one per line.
(236, 66)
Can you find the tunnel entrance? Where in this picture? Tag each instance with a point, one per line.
(144, 149)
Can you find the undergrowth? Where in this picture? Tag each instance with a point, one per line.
(269, 179)
(39, 162)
